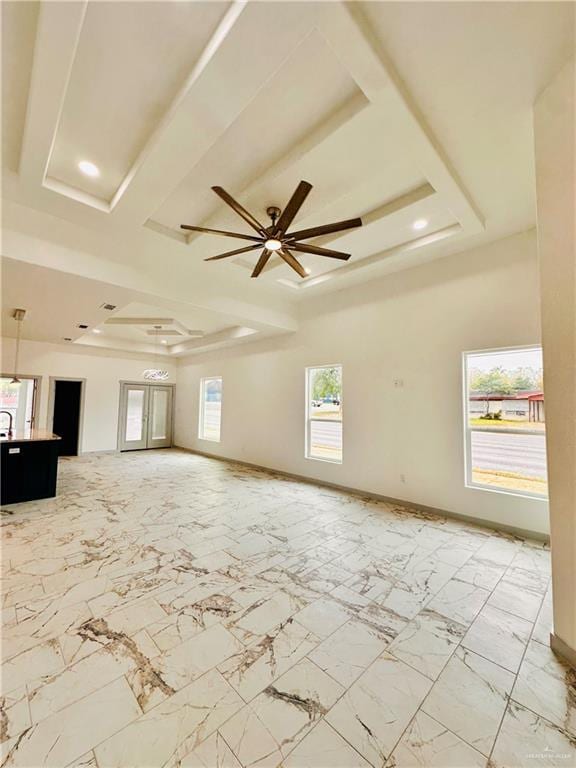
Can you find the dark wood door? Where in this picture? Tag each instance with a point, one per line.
(66, 424)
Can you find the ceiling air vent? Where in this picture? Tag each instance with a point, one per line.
(83, 326)
(108, 307)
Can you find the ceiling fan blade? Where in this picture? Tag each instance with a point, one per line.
(320, 251)
(261, 263)
(254, 223)
(294, 204)
(219, 232)
(325, 229)
(292, 262)
(233, 253)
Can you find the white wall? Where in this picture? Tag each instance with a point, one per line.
(412, 326)
(103, 372)
(554, 131)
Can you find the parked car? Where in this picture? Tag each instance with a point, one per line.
(330, 401)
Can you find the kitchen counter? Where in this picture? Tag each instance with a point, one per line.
(29, 465)
(27, 436)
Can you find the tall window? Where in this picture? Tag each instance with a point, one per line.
(505, 420)
(210, 409)
(19, 400)
(324, 413)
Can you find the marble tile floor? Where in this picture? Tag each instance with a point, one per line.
(171, 610)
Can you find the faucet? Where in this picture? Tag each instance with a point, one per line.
(10, 432)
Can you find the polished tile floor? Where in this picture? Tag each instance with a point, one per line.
(171, 610)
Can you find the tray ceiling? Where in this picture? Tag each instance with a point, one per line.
(395, 112)
(105, 118)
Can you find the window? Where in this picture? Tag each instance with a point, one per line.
(19, 400)
(324, 413)
(505, 421)
(210, 409)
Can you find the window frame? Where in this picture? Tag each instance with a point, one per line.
(307, 411)
(467, 429)
(35, 394)
(203, 382)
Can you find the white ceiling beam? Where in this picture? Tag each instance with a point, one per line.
(376, 258)
(214, 96)
(353, 42)
(215, 340)
(140, 321)
(58, 32)
(37, 238)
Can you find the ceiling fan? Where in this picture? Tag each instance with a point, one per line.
(276, 238)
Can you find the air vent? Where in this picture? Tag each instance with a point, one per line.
(108, 307)
(83, 326)
(67, 338)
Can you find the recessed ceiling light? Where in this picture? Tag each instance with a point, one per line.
(308, 271)
(163, 341)
(420, 224)
(96, 330)
(89, 169)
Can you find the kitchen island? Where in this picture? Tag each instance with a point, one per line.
(29, 465)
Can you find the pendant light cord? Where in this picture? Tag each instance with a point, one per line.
(15, 379)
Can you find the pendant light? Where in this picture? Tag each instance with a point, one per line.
(18, 316)
(155, 374)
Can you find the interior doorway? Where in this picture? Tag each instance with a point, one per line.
(65, 409)
(145, 419)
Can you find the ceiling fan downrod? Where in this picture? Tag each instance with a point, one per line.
(274, 212)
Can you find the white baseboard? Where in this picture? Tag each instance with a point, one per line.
(563, 650)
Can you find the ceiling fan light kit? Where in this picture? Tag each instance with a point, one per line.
(275, 238)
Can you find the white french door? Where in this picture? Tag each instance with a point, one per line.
(145, 416)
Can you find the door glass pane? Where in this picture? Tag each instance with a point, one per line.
(134, 414)
(18, 400)
(159, 414)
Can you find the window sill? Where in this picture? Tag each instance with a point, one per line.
(321, 458)
(507, 492)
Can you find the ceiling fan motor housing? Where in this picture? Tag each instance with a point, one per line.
(274, 212)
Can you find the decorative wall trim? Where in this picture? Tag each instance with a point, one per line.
(500, 528)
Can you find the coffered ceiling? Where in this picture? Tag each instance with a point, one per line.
(395, 112)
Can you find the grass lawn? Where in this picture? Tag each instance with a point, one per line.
(508, 424)
(510, 481)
